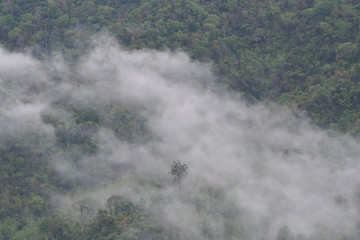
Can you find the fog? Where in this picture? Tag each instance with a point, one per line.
(270, 166)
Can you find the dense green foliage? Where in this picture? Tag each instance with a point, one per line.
(296, 52)
(27, 181)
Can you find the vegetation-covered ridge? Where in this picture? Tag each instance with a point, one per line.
(302, 52)
(82, 139)
(29, 180)
(71, 144)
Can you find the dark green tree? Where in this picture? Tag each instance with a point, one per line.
(179, 171)
(285, 234)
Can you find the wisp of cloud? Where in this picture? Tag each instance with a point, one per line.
(260, 166)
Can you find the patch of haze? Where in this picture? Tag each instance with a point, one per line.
(22, 118)
(22, 80)
(273, 168)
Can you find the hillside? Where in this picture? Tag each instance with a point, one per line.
(99, 99)
(304, 52)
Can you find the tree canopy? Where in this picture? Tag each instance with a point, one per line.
(293, 52)
(302, 53)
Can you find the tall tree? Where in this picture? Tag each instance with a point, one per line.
(179, 171)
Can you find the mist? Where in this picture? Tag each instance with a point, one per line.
(259, 166)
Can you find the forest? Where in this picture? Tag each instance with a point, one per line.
(179, 119)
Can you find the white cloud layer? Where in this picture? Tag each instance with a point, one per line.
(272, 166)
